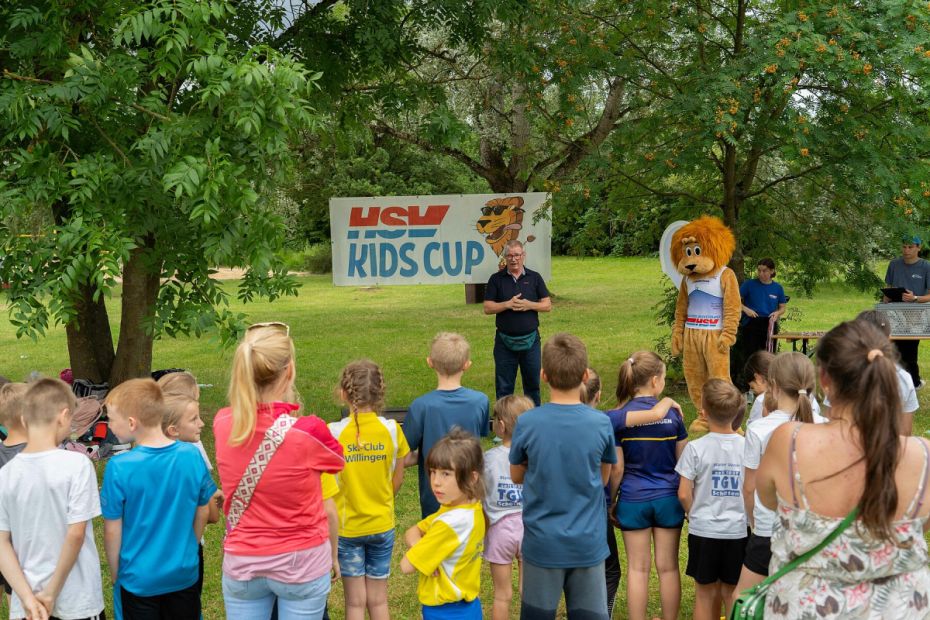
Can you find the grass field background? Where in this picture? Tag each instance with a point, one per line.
(607, 302)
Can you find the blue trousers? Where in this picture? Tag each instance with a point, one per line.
(506, 363)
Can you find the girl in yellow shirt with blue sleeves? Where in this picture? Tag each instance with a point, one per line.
(374, 449)
(445, 547)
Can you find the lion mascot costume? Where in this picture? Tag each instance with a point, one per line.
(708, 308)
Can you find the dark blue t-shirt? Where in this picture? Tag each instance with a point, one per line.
(763, 298)
(649, 455)
(156, 492)
(501, 287)
(564, 517)
(431, 417)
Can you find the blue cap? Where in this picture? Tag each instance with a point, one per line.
(912, 239)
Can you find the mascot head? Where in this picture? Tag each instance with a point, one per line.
(702, 246)
(501, 221)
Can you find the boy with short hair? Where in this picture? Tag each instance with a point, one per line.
(562, 452)
(11, 416)
(47, 500)
(155, 501)
(431, 416)
(710, 491)
(14, 438)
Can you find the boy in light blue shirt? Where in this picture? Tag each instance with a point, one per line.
(431, 416)
(562, 453)
(155, 505)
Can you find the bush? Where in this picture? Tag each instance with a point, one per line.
(314, 258)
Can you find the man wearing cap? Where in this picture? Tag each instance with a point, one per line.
(911, 273)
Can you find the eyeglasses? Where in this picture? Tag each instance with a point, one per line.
(277, 325)
(513, 256)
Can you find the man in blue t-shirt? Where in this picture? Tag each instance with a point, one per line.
(562, 452)
(762, 299)
(516, 295)
(911, 273)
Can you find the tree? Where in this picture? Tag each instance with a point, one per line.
(539, 94)
(801, 123)
(142, 144)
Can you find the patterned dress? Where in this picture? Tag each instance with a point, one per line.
(855, 576)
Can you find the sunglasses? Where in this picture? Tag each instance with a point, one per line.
(496, 210)
(277, 325)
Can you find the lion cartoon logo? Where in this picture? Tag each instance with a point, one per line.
(501, 221)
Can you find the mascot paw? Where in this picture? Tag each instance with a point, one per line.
(724, 344)
(676, 345)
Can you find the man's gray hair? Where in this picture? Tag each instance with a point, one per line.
(513, 243)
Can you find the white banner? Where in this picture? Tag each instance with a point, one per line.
(434, 239)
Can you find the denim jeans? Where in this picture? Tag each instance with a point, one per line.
(506, 363)
(254, 599)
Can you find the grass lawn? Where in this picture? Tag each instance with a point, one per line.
(607, 302)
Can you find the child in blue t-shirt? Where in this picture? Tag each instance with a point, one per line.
(647, 509)
(431, 416)
(155, 505)
(562, 453)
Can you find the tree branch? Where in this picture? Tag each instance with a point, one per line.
(664, 194)
(109, 141)
(573, 154)
(456, 154)
(787, 177)
(25, 78)
(161, 117)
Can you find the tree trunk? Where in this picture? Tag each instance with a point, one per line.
(140, 289)
(90, 342)
(731, 205)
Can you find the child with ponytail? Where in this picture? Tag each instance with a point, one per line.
(375, 448)
(816, 475)
(647, 509)
(277, 536)
(791, 383)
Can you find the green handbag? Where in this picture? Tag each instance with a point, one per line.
(751, 603)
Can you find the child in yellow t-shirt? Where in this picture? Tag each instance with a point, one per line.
(445, 547)
(374, 449)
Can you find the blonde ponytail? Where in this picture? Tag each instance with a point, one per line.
(261, 360)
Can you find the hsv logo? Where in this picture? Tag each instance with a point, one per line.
(398, 216)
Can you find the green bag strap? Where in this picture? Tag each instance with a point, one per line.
(790, 566)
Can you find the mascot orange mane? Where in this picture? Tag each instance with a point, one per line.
(708, 308)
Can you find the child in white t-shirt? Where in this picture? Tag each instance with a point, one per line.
(711, 470)
(906, 389)
(757, 371)
(757, 368)
(503, 504)
(48, 498)
(791, 381)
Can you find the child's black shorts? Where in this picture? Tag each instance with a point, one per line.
(715, 559)
(758, 554)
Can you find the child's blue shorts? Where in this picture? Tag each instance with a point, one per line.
(665, 512)
(366, 556)
(460, 610)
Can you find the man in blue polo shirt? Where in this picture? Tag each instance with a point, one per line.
(516, 295)
(911, 273)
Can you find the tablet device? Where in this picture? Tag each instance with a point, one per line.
(894, 293)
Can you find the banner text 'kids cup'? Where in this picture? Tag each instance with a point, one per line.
(434, 239)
